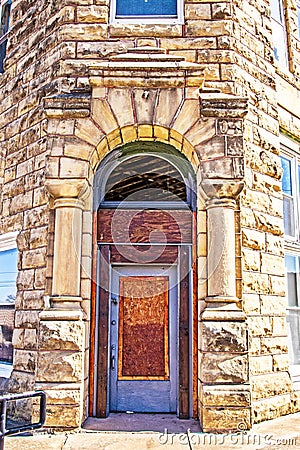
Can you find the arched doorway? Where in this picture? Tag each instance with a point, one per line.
(144, 204)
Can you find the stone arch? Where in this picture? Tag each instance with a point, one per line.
(184, 257)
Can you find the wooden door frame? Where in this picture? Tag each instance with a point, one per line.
(99, 390)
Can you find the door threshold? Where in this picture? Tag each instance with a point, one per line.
(141, 422)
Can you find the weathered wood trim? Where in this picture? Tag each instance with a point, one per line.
(144, 254)
(103, 328)
(184, 354)
(93, 317)
(145, 226)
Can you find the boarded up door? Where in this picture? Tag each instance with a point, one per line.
(143, 347)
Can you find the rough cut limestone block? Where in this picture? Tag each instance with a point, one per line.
(59, 366)
(218, 419)
(65, 335)
(214, 368)
(227, 395)
(223, 337)
(63, 416)
(274, 384)
(270, 408)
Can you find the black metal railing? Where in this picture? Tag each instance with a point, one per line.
(4, 399)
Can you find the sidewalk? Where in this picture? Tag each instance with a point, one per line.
(281, 433)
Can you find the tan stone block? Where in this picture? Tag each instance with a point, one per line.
(260, 364)
(208, 28)
(73, 168)
(18, 338)
(25, 360)
(63, 416)
(83, 32)
(161, 133)
(52, 167)
(226, 395)
(102, 148)
(274, 304)
(66, 335)
(87, 130)
(120, 102)
(26, 319)
(251, 259)
(188, 115)
(255, 282)
(275, 245)
(30, 339)
(92, 14)
(254, 346)
(61, 126)
(274, 345)
(277, 285)
(145, 131)
(145, 30)
(188, 43)
(281, 363)
(223, 337)
(198, 11)
(272, 264)
(168, 103)
(274, 384)
(225, 419)
(25, 279)
(270, 408)
(21, 202)
(251, 303)
(260, 326)
(214, 368)
(59, 366)
(34, 258)
(144, 104)
(279, 326)
(103, 115)
(33, 299)
(61, 393)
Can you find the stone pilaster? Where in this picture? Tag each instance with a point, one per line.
(62, 330)
(68, 204)
(220, 205)
(224, 340)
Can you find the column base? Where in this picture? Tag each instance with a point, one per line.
(222, 308)
(64, 308)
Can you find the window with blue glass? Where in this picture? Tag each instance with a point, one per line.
(8, 290)
(279, 32)
(290, 161)
(147, 10)
(290, 190)
(4, 16)
(298, 12)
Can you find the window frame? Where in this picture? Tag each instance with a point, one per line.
(8, 241)
(4, 36)
(282, 24)
(147, 19)
(298, 14)
(291, 150)
(289, 153)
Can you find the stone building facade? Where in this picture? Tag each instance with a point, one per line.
(202, 98)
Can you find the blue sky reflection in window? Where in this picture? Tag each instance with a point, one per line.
(146, 8)
(8, 275)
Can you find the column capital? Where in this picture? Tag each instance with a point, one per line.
(218, 192)
(67, 189)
